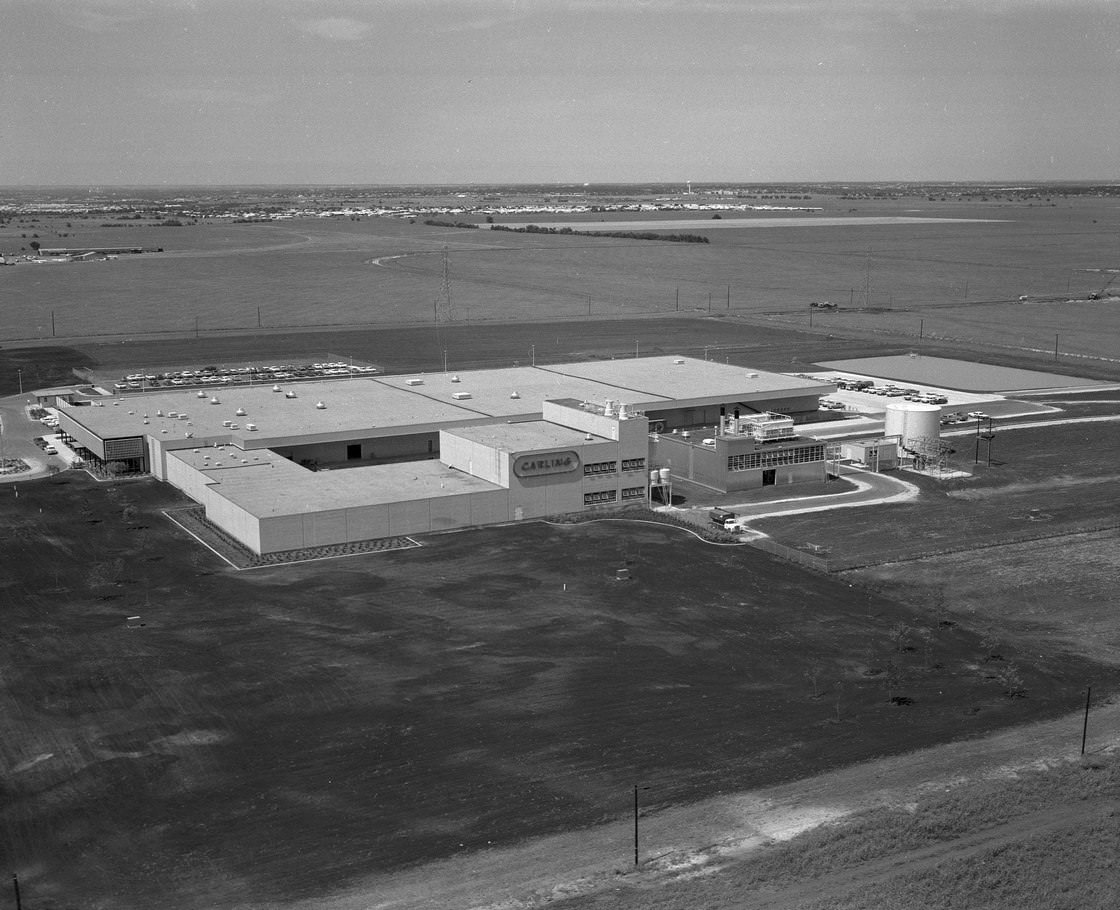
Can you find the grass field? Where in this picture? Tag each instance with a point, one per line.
(951, 281)
(271, 734)
(1038, 840)
(1072, 481)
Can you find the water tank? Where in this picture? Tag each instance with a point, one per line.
(654, 475)
(912, 420)
(664, 472)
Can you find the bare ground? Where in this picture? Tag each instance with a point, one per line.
(703, 840)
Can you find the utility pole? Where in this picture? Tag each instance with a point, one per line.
(1085, 725)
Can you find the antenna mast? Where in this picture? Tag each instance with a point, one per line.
(444, 299)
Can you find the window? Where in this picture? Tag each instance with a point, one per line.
(633, 464)
(753, 460)
(600, 467)
(590, 499)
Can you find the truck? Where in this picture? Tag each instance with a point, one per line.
(721, 517)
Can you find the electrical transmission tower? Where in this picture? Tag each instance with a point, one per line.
(442, 306)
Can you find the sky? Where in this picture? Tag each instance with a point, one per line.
(170, 92)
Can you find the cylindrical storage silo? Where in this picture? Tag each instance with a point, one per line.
(912, 421)
(664, 475)
(654, 475)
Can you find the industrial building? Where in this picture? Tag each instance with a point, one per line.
(302, 464)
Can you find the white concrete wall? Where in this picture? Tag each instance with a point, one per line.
(475, 458)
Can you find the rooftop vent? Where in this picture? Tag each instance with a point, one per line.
(214, 400)
(455, 379)
(276, 388)
(159, 413)
(289, 394)
(752, 375)
(679, 360)
(588, 436)
(514, 395)
(320, 405)
(240, 412)
(201, 394)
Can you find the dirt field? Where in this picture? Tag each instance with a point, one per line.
(269, 735)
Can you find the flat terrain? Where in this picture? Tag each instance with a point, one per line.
(269, 735)
(948, 280)
(279, 736)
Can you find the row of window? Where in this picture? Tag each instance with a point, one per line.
(753, 460)
(590, 499)
(633, 464)
(630, 493)
(600, 467)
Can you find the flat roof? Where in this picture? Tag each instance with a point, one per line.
(353, 407)
(268, 485)
(491, 391)
(678, 378)
(525, 436)
(374, 406)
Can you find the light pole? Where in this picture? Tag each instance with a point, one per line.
(19, 374)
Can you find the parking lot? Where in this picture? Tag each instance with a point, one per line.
(229, 375)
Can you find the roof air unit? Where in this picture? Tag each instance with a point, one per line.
(250, 426)
(459, 396)
(414, 382)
